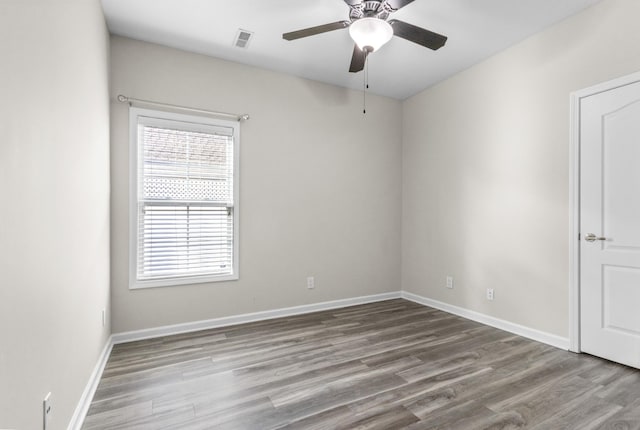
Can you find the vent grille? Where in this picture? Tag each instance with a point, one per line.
(243, 37)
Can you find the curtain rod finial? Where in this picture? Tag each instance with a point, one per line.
(122, 98)
(245, 117)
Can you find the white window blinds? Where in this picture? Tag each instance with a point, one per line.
(185, 225)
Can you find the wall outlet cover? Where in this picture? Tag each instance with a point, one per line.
(490, 294)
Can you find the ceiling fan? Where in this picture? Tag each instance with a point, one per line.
(370, 28)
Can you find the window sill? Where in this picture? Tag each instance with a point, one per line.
(175, 282)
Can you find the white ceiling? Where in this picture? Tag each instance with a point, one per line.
(476, 29)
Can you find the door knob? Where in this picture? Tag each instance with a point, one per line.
(590, 237)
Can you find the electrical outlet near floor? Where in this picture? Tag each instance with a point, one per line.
(46, 411)
(449, 281)
(311, 283)
(489, 293)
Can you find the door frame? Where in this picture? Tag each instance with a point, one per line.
(574, 199)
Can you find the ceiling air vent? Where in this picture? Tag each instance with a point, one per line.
(242, 38)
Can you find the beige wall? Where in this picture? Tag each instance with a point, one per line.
(319, 187)
(486, 169)
(54, 221)
(484, 184)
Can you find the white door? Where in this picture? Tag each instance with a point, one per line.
(610, 224)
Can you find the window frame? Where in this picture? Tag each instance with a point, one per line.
(195, 121)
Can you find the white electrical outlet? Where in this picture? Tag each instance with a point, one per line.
(46, 411)
(489, 293)
(449, 281)
(311, 283)
(104, 317)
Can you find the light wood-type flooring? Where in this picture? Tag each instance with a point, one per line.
(387, 365)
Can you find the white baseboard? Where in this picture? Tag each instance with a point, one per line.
(87, 395)
(537, 335)
(168, 330)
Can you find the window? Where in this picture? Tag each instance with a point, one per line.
(184, 199)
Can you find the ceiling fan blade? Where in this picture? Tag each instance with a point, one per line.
(417, 35)
(315, 30)
(357, 60)
(398, 4)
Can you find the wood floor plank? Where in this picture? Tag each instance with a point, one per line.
(386, 365)
(627, 418)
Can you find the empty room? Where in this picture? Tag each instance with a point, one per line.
(335, 214)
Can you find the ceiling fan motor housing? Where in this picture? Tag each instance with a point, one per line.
(370, 9)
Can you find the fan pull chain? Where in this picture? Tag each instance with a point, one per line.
(365, 83)
(367, 70)
(364, 94)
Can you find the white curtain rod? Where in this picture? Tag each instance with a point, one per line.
(130, 100)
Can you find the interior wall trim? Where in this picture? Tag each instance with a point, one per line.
(168, 330)
(530, 333)
(90, 389)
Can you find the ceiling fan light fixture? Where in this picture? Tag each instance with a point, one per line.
(370, 33)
